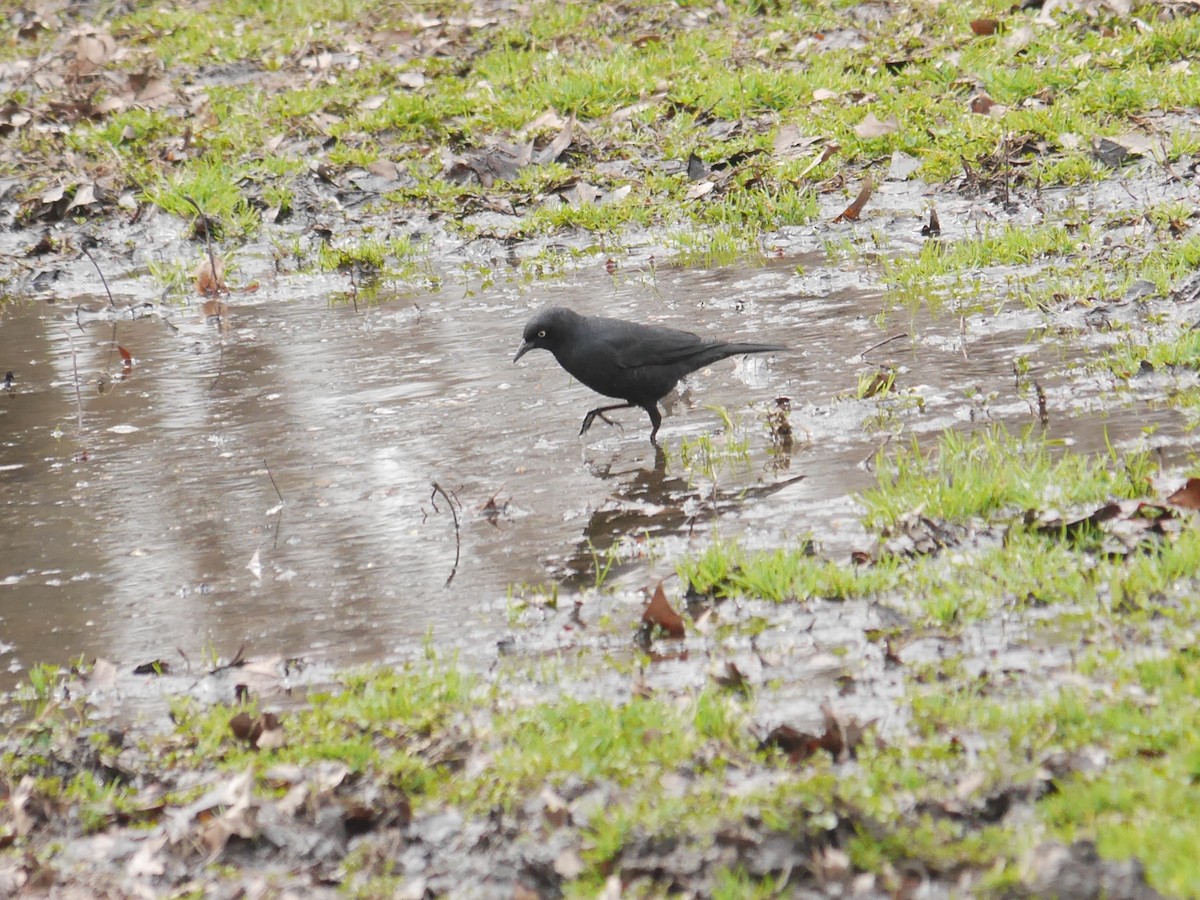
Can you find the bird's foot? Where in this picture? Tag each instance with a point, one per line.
(597, 414)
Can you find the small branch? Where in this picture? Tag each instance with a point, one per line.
(273, 484)
(437, 489)
(237, 662)
(212, 260)
(894, 337)
(279, 494)
(103, 280)
(75, 370)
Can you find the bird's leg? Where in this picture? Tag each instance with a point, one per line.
(600, 411)
(655, 420)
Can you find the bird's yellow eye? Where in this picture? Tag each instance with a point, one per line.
(542, 333)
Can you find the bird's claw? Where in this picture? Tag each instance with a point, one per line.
(592, 416)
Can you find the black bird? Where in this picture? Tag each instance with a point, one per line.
(635, 363)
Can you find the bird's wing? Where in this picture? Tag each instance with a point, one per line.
(655, 347)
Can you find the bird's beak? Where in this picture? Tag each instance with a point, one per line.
(525, 348)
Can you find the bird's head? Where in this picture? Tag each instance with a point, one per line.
(548, 330)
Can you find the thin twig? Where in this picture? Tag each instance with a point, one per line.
(212, 260)
(868, 462)
(437, 489)
(894, 337)
(75, 370)
(103, 280)
(273, 484)
(279, 494)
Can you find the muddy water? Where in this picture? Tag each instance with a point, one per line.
(143, 517)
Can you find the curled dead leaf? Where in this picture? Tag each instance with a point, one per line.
(871, 127)
(1187, 496)
(851, 212)
(210, 277)
(659, 613)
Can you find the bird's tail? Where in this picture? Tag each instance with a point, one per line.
(738, 349)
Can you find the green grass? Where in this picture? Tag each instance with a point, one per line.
(650, 89)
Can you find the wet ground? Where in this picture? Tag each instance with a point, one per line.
(267, 479)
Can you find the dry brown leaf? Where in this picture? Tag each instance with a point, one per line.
(852, 212)
(271, 736)
(384, 168)
(790, 143)
(934, 228)
(91, 51)
(984, 27)
(85, 195)
(871, 127)
(830, 149)
(981, 104)
(412, 80)
(660, 613)
(1187, 496)
(557, 146)
(208, 282)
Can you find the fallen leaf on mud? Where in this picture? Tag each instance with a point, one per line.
(241, 726)
(233, 797)
(270, 735)
(659, 613)
(851, 212)
(701, 189)
(148, 89)
(820, 95)
(210, 277)
(493, 511)
(871, 127)
(830, 149)
(501, 161)
(1125, 524)
(731, 677)
(934, 227)
(790, 143)
(384, 168)
(91, 50)
(840, 739)
(983, 105)
(85, 195)
(154, 667)
(412, 80)
(903, 165)
(1187, 496)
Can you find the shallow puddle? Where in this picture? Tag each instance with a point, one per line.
(146, 518)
